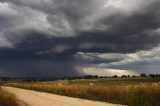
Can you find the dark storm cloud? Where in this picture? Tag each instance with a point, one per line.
(37, 68)
(54, 37)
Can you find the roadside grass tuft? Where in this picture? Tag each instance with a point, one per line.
(7, 99)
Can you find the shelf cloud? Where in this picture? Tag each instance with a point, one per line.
(53, 38)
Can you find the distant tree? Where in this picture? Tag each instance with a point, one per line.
(90, 76)
(115, 76)
(101, 77)
(154, 75)
(133, 76)
(143, 75)
(123, 76)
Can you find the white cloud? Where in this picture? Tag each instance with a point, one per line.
(4, 43)
(57, 49)
(84, 56)
(128, 5)
(7, 10)
(117, 59)
(106, 71)
(61, 48)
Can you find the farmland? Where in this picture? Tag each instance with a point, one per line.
(137, 91)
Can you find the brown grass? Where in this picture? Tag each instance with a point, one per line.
(7, 99)
(131, 95)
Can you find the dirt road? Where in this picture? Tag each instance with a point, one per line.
(34, 98)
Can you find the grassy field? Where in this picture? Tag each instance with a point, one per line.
(7, 99)
(129, 91)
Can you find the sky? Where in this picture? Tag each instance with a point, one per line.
(57, 38)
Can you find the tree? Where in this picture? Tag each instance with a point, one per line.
(115, 76)
(123, 76)
(143, 75)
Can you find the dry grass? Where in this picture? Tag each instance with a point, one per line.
(7, 99)
(131, 95)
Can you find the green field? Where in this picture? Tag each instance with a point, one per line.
(138, 91)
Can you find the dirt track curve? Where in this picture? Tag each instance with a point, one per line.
(34, 98)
